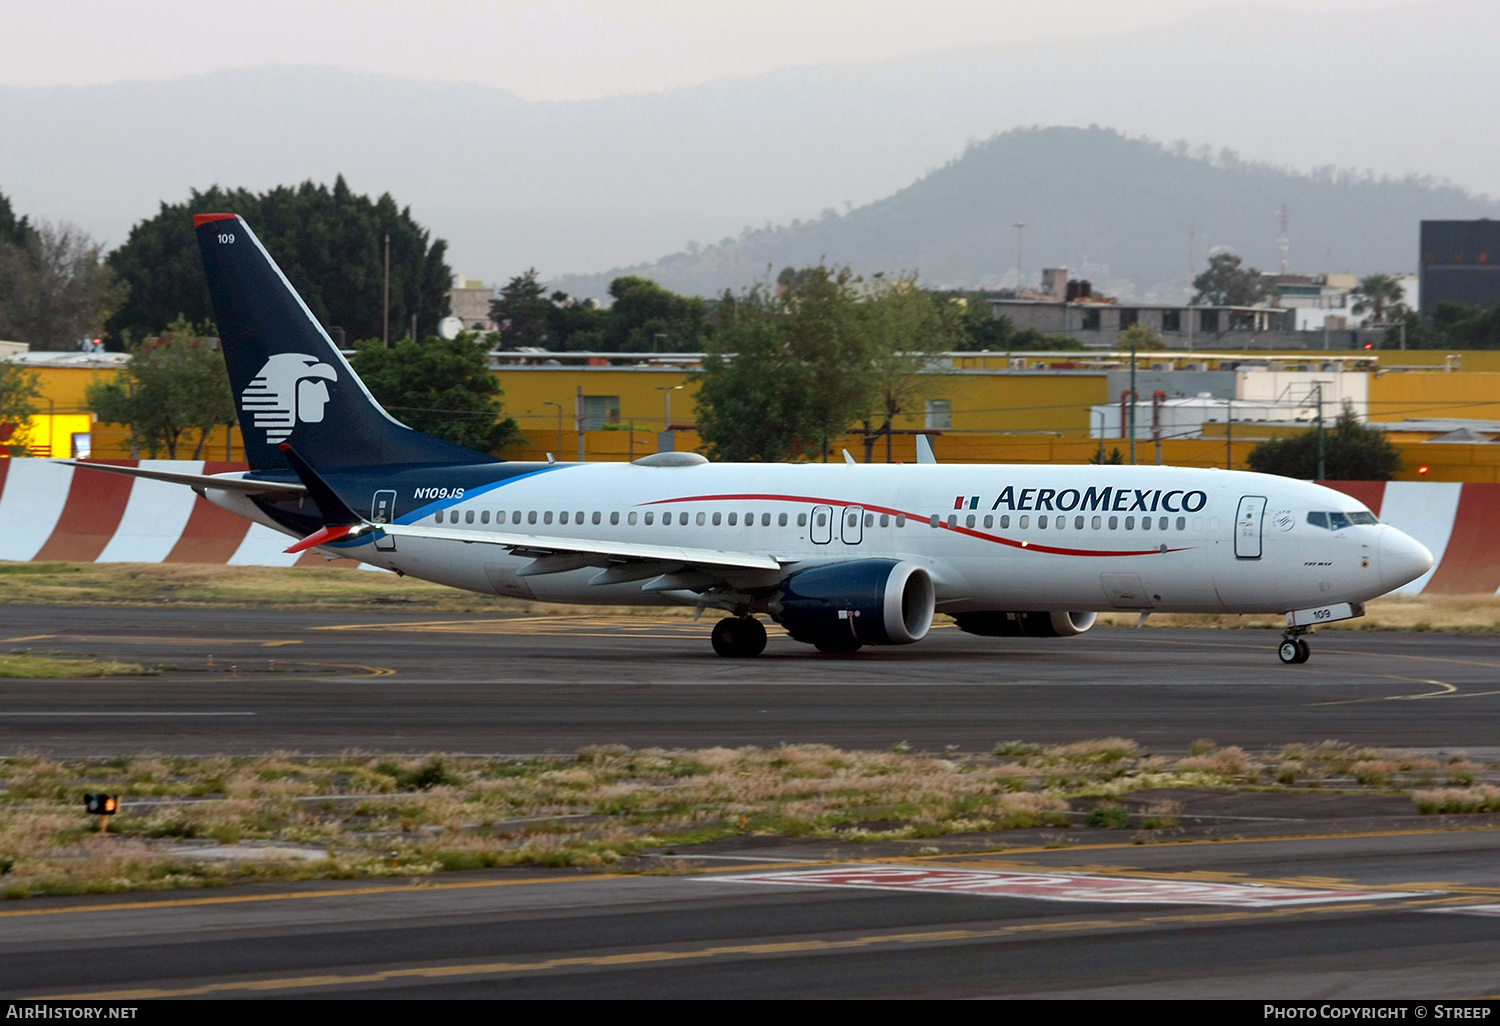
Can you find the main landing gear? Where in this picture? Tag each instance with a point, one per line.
(1293, 649)
(739, 637)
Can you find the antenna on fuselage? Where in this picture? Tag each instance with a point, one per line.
(924, 450)
(849, 458)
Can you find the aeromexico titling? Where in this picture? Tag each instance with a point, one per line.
(840, 555)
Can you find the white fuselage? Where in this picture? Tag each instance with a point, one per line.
(992, 537)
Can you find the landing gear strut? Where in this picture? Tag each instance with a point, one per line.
(1293, 649)
(739, 637)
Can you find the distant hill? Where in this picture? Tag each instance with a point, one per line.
(583, 186)
(1119, 211)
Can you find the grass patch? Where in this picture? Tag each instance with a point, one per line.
(342, 587)
(35, 667)
(400, 815)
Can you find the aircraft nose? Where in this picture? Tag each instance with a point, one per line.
(1402, 558)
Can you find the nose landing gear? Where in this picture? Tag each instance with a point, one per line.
(739, 637)
(1293, 649)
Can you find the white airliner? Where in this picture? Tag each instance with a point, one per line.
(841, 555)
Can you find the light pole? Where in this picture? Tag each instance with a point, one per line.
(1019, 226)
(666, 391)
(1133, 397)
(1093, 411)
(1322, 463)
(549, 402)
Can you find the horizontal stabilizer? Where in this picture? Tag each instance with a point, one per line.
(198, 482)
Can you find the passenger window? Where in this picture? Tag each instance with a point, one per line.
(437, 517)
(515, 517)
(484, 516)
(1062, 522)
(596, 517)
(822, 519)
(614, 518)
(1078, 523)
(735, 516)
(969, 520)
(1097, 523)
(885, 520)
(648, 519)
(718, 519)
(547, 517)
(1130, 523)
(801, 519)
(531, 517)
(1026, 522)
(900, 519)
(869, 519)
(578, 518)
(1004, 521)
(1161, 524)
(935, 520)
(630, 519)
(766, 520)
(562, 518)
(1041, 521)
(666, 519)
(469, 517)
(1182, 523)
(989, 520)
(952, 519)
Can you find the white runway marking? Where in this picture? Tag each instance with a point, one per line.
(1063, 886)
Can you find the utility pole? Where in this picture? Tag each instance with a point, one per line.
(1322, 462)
(1133, 399)
(1019, 226)
(580, 422)
(385, 322)
(1229, 436)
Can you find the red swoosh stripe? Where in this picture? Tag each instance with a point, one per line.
(996, 539)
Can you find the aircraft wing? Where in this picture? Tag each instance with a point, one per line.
(544, 546)
(196, 481)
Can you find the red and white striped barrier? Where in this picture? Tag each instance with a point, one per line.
(52, 512)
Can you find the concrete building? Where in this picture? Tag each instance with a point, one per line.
(470, 302)
(1097, 322)
(1460, 263)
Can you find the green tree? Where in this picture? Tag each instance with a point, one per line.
(1377, 293)
(330, 243)
(173, 384)
(755, 391)
(14, 231)
(19, 388)
(55, 289)
(1142, 337)
(521, 310)
(645, 318)
(1352, 452)
(442, 387)
(1226, 283)
(905, 329)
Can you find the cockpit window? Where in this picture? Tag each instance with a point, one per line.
(1336, 521)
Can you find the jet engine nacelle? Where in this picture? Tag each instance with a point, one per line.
(1041, 624)
(866, 602)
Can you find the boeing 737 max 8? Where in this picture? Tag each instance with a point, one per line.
(840, 555)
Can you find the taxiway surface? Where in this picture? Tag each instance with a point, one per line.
(1406, 915)
(240, 681)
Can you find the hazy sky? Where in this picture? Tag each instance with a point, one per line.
(560, 50)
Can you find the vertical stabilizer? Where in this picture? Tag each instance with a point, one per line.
(291, 384)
